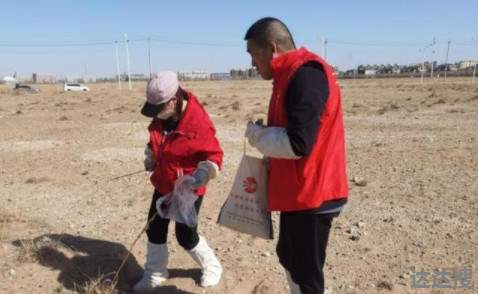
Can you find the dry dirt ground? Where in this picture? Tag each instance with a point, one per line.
(64, 224)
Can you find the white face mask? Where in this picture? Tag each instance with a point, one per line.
(168, 111)
(165, 114)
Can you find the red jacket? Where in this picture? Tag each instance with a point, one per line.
(193, 141)
(307, 182)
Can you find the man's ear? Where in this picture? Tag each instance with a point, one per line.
(274, 48)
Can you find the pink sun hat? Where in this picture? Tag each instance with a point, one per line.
(161, 88)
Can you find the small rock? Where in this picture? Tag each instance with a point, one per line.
(266, 254)
(388, 219)
(360, 224)
(385, 285)
(404, 276)
(354, 238)
(12, 272)
(84, 173)
(359, 181)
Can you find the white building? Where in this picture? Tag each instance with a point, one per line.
(467, 64)
(43, 78)
(194, 75)
(370, 72)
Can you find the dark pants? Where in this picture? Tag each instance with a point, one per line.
(302, 246)
(157, 232)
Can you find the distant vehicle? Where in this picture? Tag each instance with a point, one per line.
(9, 80)
(75, 87)
(25, 88)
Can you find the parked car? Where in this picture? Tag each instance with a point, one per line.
(75, 87)
(25, 88)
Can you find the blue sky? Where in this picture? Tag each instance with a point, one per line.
(73, 37)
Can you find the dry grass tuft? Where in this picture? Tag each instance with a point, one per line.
(433, 94)
(236, 105)
(34, 180)
(30, 250)
(100, 285)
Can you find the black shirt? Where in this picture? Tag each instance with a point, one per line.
(305, 99)
(305, 102)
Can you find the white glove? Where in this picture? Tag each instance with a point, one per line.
(187, 182)
(149, 161)
(253, 131)
(205, 171)
(274, 142)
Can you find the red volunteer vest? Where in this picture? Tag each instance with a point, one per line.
(307, 182)
(180, 151)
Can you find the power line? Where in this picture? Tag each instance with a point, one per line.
(200, 43)
(167, 40)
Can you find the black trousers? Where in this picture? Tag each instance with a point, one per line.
(302, 248)
(157, 232)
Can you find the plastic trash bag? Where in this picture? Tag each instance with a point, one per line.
(179, 205)
(245, 209)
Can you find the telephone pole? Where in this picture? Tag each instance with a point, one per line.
(476, 61)
(126, 41)
(118, 73)
(446, 59)
(149, 56)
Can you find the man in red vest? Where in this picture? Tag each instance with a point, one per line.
(305, 147)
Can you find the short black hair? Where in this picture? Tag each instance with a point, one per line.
(270, 29)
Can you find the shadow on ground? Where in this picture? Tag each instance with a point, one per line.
(83, 261)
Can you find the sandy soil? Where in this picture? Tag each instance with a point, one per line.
(412, 150)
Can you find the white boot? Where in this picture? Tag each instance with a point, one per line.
(210, 267)
(294, 288)
(155, 271)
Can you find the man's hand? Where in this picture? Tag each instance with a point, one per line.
(252, 132)
(149, 160)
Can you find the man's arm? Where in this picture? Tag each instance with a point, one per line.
(305, 102)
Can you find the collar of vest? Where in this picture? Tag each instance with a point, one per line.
(282, 63)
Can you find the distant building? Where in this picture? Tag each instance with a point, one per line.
(43, 78)
(139, 77)
(193, 76)
(89, 79)
(221, 76)
(467, 64)
(370, 72)
(239, 74)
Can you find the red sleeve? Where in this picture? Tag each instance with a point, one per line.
(212, 149)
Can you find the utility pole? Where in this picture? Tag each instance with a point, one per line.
(423, 64)
(149, 56)
(118, 73)
(325, 48)
(476, 61)
(433, 52)
(126, 41)
(86, 71)
(423, 57)
(446, 58)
